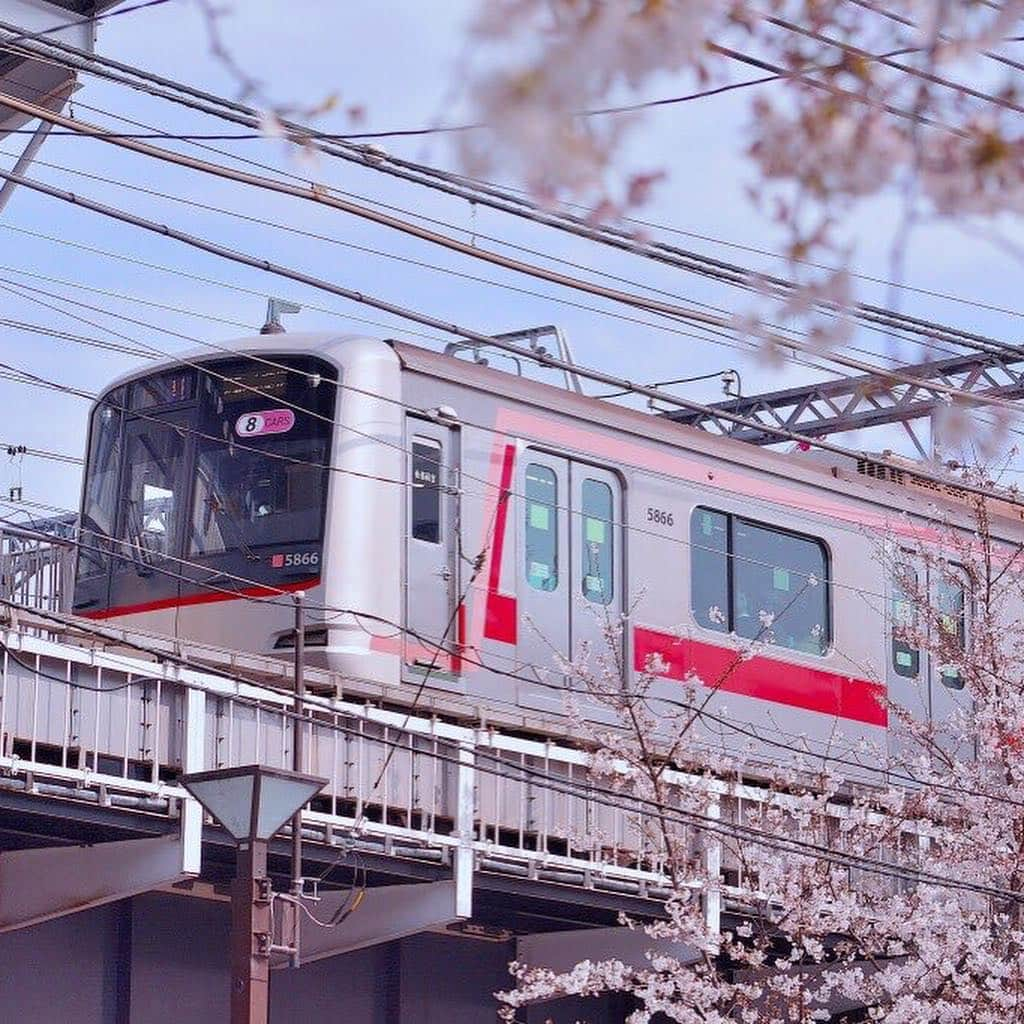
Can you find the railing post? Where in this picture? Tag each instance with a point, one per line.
(193, 760)
(713, 866)
(464, 815)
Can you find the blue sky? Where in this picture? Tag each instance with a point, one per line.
(400, 61)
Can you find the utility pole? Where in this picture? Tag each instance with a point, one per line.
(250, 935)
(297, 759)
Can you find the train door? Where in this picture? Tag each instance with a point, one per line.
(545, 570)
(925, 600)
(596, 552)
(907, 665)
(949, 602)
(431, 546)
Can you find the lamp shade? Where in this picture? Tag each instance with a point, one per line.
(252, 801)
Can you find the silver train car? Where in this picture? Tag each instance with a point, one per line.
(457, 530)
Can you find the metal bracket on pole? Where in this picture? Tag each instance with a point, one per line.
(384, 914)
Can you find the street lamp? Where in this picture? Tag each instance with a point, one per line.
(252, 802)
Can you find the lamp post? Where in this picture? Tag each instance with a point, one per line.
(251, 802)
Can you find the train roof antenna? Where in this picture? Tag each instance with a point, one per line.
(275, 309)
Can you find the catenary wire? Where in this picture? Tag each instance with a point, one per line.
(752, 282)
(917, 340)
(227, 154)
(533, 270)
(447, 181)
(473, 336)
(505, 243)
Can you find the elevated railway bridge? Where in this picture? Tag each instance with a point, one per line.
(433, 843)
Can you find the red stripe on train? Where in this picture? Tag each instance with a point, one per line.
(207, 598)
(501, 614)
(798, 686)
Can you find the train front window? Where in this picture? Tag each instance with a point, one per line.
(211, 476)
(261, 462)
(153, 491)
(100, 499)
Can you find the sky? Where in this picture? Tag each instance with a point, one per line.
(400, 61)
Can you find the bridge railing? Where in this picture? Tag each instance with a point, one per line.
(36, 568)
(94, 724)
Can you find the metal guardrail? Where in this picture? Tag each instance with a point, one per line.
(36, 568)
(117, 730)
(99, 726)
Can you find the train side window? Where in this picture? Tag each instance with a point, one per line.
(426, 491)
(951, 608)
(759, 582)
(596, 543)
(709, 569)
(906, 660)
(541, 549)
(779, 588)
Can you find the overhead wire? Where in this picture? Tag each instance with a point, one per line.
(467, 334)
(923, 341)
(816, 365)
(793, 354)
(491, 196)
(631, 299)
(875, 8)
(1005, 102)
(215, 282)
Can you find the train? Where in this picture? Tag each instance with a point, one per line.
(460, 534)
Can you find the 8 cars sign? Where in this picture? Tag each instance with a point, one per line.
(271, 421)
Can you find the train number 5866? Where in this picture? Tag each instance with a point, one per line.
(659, 516)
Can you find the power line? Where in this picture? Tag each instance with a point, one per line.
(945, 37)
(922, 341)
(503, 201)
(465, 333)
(908, 69)
(312, 194)
(41, 453)
(498, 284)
(874, 315)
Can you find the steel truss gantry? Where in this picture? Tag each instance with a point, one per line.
(870, 400)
